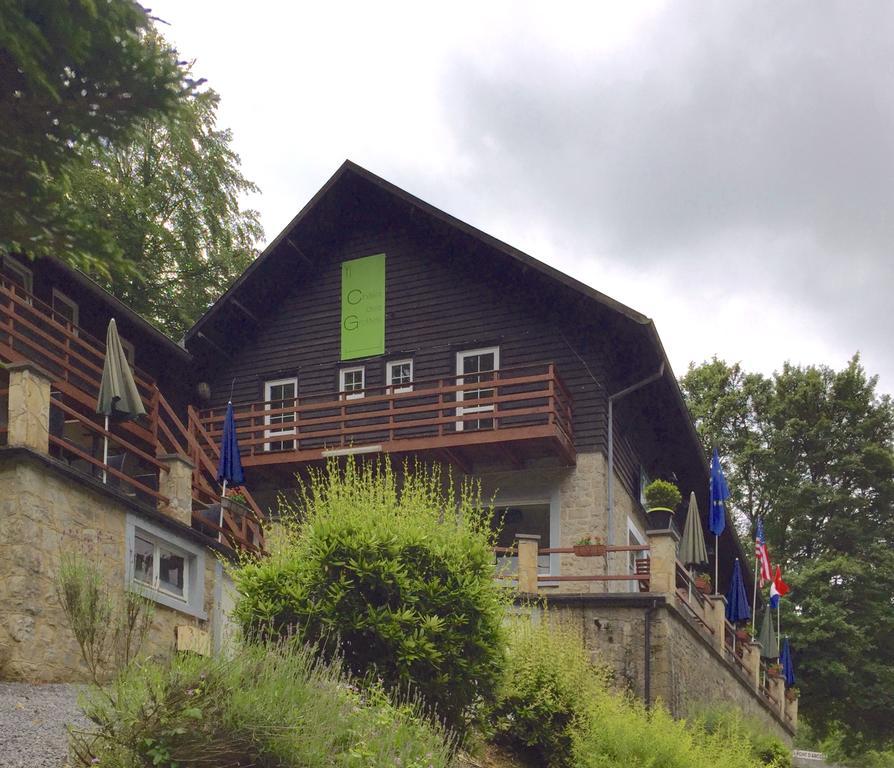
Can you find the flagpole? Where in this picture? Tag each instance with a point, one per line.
(754, 599)
(716, 563)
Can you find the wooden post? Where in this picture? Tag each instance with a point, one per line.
(528, 546)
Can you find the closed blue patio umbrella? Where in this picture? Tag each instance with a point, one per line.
(229, 467)
(788, 669)
(737, 608)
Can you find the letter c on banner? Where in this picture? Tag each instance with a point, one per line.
(355, 296)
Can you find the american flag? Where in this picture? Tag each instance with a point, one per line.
(765, 574)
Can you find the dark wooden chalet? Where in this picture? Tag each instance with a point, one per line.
(489, 359)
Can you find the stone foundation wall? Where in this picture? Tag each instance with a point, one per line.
(685, 671)
(43, 513)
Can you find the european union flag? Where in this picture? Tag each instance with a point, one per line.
(719, 494)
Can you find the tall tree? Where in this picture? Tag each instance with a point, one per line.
(170, 198)
(74, 74)
(811, 449)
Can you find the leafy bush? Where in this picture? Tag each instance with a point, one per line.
(265, 706)
(109, 625)
(729, 723)
(546, 688)
(661, 493)
(398, 579)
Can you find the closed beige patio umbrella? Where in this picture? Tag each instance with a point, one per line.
(119, 397)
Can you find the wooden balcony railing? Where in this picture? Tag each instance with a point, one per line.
(32, 331)
(510, 405)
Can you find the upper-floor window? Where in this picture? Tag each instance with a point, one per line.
(644, 480)
(280, 395)
(66, 311)
(399, 374)
(351, 382)
(473, 366)
(17, 272)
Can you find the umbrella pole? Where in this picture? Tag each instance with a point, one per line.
(223, 495)
(105, 452)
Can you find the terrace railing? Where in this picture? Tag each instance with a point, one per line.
(31, 331)
(510, 404)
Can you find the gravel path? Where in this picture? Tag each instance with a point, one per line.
(32, 724)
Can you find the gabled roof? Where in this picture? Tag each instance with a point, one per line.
(348, 169)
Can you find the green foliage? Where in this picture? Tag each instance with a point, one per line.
(398, 580)
(546, 688)
(560, 709)
(727, 723)
(109, 625)
(811, 450)
(74, 75)
(262, 706)
(169, 196)
(661, 493)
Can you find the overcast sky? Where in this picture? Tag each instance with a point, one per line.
(724, 168)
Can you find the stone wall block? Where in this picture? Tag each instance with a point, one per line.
(663, 561)
(29, 407)
(176, 485)
(716, 619)
(527, 563)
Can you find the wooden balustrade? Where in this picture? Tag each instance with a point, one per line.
(31, 331)
(510, 404)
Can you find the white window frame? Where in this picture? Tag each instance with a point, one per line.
(193, 600)
(26, 274)
(644, 480)
(547, 565)
(61, 298)
(276, 433)
(640, 537)
(342, 384)
(389, 369)
(460, 356)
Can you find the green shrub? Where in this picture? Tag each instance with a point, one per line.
(661, 493)
(546, 688)
(764, 747)
(265, 706)
(398, 579)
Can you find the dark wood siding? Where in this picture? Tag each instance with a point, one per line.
(445, 292)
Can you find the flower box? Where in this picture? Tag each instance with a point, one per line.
(703, 584)
(589, 550)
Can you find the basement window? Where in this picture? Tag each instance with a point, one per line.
(165, 568)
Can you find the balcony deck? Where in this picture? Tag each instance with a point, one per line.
(31, 331)
(514, 414)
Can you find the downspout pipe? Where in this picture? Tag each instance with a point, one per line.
(611, 446)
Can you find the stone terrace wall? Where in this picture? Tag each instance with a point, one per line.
(44, 512)
(686, 672)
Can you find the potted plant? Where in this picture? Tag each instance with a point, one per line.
(791, 694)
(662, 498)
(774, 671)
(742, 635)
(589, 546)
(704, 583)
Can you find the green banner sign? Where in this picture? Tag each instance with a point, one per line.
(363, 307)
